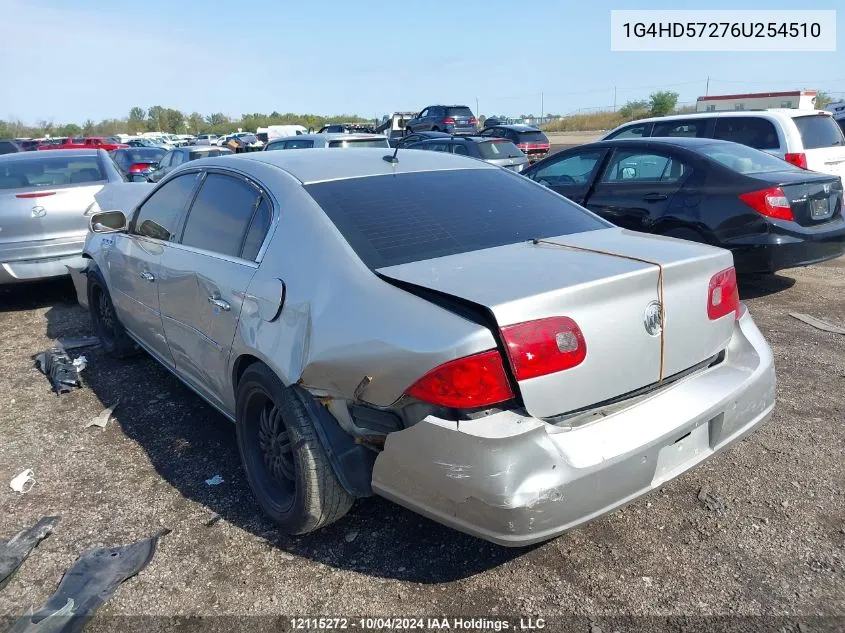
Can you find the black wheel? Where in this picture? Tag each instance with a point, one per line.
(685, 234)
(110, 331)
(285, 463)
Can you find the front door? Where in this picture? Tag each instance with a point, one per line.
(570, 174)
(636, 187)
(205, 276)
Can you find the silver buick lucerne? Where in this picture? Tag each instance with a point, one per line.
(432, 329)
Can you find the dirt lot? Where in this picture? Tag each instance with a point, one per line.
(776, 549)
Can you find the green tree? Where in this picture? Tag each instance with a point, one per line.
(662, 102)
(136, 122)
(822, 99)
(217, 119)
(196, 123)
(69, 129)
(634, 109)
(88, 127)
(173, 121)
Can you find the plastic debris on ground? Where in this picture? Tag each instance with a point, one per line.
(15, 551)
(102, 418)
(87, 586)
(60, 369)
(23, 482)
(817, 323)
(215, 481)
(711, 500)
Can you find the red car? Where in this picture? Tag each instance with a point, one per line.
(533, 143)
(91, 142)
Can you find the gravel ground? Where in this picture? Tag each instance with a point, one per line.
(776, 549)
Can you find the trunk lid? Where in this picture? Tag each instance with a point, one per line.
(813, 198)
(607, 297)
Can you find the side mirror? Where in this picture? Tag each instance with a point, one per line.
(108, 222)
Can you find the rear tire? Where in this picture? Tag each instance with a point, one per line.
(285, 463)
(109, 329)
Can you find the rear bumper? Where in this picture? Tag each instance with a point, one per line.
(39, 259)
(516, 480)
(789, 247)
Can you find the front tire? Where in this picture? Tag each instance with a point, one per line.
(108, 327)
(285, 463)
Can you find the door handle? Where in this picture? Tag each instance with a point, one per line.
(147, 276)
(219, 303)
(655, 197)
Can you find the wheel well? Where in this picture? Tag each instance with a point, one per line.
(241, 364)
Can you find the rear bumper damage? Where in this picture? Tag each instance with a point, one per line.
(516, 480)
(40, 259)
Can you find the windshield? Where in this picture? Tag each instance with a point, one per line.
(50, 172)
(248, 138)
(819, 130)
(491, 150)
(390, 220)
(744, 159)
(362, 142)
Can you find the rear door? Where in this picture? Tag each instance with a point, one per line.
(754, 131)
(636, 187)
(824, 143)
(570, 173)
(205, 276)
(134, 261)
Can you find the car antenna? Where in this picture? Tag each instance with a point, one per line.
(391, 159)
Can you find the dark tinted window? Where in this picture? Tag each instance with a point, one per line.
(532, 137)
(295, 144)
(221, 151)
(391, 220)
(842, 125)
(159, 216)
(577, 169)
(257, 230)
(459, 111)
(8, 147)
(460, 148)
(690, 127)
(818, 130)
(220, 215)
(360, 142)
(55, 171)
(755, 132)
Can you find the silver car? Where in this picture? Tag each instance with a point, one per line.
(45, 200)
(496, 151)
(328, 140)
(438, 331)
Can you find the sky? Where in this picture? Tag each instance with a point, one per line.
(71, 60)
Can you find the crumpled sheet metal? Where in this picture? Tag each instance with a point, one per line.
(60, 369)
(15, 551)
(86, 586)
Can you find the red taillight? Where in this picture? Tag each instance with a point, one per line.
(545, 346)
(723, 295)
(473, 120)
(137, 167)
(39, 194)
(465, 383)
(770, 202)
(448, 119)
(799, 159)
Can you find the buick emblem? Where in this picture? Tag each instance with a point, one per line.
(39, 212)
(652, 319)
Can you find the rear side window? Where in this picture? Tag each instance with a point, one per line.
(220, 215)
(55, 171)
(360, 142)
(257, 230)
(755, 132)
(8, 147)
(818, 130)
(498, 149)
(690, 128)
(159, 216)
(390, 220)
(632, 131)
(214, 152)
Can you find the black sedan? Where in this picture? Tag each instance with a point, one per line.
(771, 214)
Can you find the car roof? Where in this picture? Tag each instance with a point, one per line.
(774, 113)
(332, 136)
(50, 152)
(316, 165)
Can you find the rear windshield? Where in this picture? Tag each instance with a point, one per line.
(532, 137)
(390, 220)
(362, 142)
(818, 131)
(50, 172)
(744, 159)
(459, 111)
(212, 152)
(499, 149)
(128, 157)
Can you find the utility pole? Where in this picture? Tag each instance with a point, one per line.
(477, 113)
(614, 98)
(707, 89)
(542, 106)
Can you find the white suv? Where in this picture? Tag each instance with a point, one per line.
(807, 138)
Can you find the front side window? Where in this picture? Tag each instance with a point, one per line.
(159, 216)
(638, 166)
(572, 170)
(753, 131)
(460, 148)
(220, 215)
(689, 128)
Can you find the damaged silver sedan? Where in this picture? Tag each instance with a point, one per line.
(438, 331)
